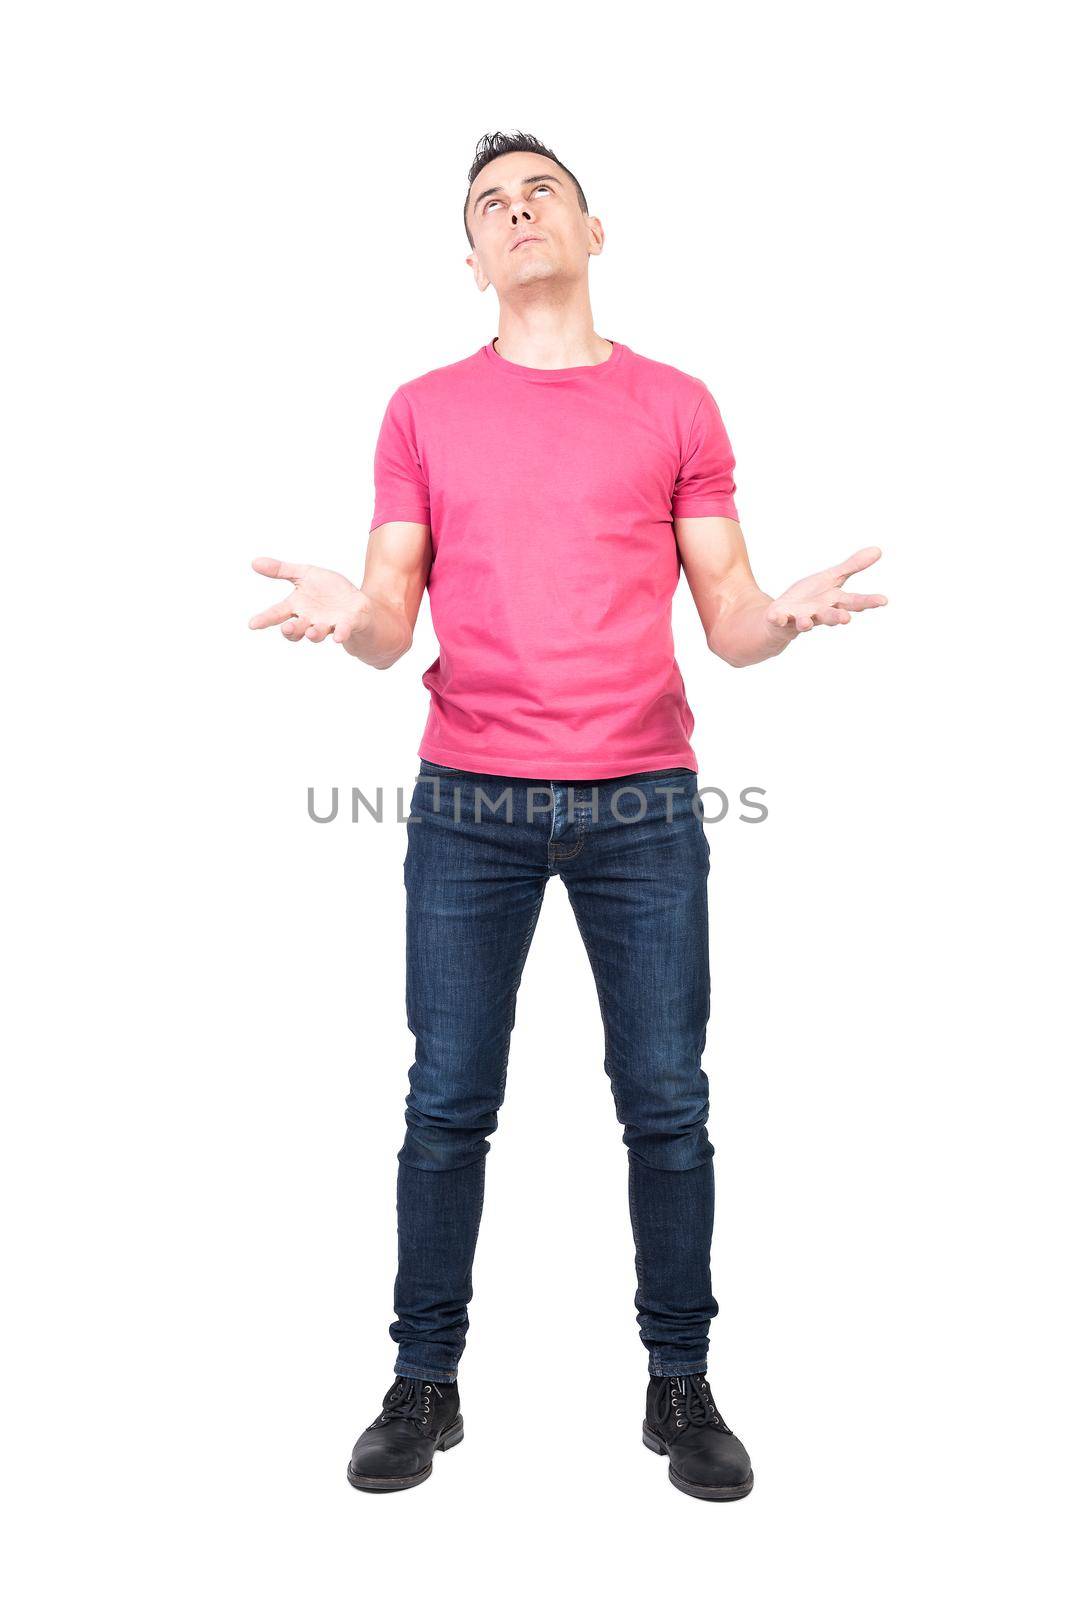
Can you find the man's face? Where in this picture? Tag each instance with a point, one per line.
(527, 225)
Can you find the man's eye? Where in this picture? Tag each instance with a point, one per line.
(542, 188)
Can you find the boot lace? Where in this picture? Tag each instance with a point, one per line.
(688, 1402)
(407, 1401)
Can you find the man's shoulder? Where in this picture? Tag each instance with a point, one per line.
(665, 376)
(442, 381)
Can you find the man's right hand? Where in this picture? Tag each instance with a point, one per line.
(321, 602)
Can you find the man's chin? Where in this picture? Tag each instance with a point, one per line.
(533, 271)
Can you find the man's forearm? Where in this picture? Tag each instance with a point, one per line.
(380, 634)
(742, 634)
(744, 625)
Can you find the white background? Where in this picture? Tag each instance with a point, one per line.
(232, 231)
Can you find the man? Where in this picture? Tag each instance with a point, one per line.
(546, 491)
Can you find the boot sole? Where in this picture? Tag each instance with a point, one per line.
(359, 1480)
(700, 1491)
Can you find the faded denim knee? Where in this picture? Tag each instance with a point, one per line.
(437, 1147)
(669, 1150)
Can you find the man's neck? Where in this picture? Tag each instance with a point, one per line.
(551, 334)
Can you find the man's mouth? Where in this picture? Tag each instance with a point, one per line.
(528, 238)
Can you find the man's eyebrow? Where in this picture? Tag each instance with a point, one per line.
(539, 177)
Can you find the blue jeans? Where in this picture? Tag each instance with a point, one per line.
(633, 855)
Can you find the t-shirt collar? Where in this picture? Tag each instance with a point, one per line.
(552, 374)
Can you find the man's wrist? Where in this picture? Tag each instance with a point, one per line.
(359, 617)
(778, 635)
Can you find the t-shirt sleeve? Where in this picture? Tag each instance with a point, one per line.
(401, 490)
(705, 484)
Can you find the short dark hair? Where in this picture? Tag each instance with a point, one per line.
(492, 145)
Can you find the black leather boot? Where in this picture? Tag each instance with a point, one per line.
(682, 1422)
(397, 1450)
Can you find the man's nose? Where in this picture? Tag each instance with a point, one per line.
(521, 214)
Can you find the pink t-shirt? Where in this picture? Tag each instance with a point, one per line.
(550, 497)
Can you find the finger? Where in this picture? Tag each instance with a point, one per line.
(272, 616)
(803, 624)
(317, 632)
(342, 631)
(860, 602)
(843, 616)
(271, 568)
(295, 628)
(828, 618)
(780, 619)
(858, 561)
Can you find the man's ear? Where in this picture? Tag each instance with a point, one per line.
(596, 235)
(476, 267)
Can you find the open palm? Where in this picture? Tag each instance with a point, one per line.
(821, 599)
(321, 602)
